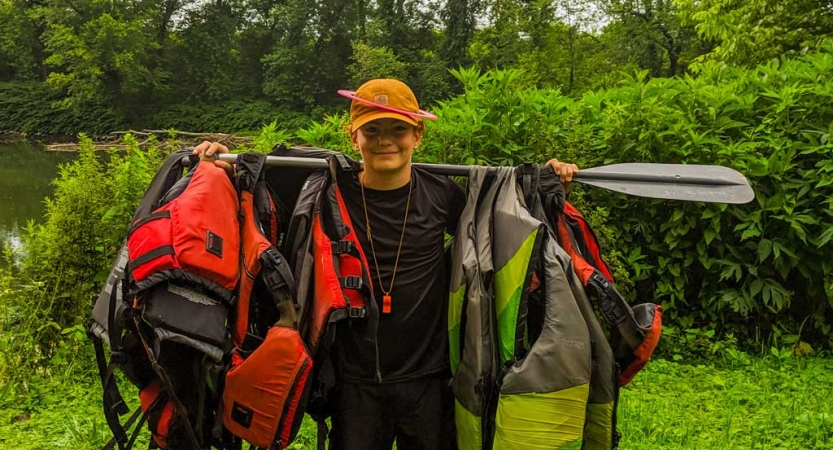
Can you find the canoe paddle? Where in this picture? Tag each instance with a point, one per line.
(690, 182)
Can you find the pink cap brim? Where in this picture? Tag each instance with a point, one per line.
(352, 96)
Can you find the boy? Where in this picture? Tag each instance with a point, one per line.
(400, 214)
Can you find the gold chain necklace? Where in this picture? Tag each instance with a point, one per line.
(386, 299)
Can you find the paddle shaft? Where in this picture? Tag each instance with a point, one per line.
(463, 170)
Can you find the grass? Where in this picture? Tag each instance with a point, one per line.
(766, 404)
(762, 404)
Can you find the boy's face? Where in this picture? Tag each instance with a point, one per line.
(386, 144)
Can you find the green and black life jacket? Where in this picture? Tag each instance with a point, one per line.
(532, 366)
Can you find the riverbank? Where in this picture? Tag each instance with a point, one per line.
(144, 138)
(162, 139)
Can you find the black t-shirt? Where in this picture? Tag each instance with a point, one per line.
(413, 338)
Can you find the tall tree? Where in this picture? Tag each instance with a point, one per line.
(102, 54)
(652, 34)
(21, 50)
(750, 32)
(459, 18)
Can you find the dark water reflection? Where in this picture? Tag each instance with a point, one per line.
(26, 173)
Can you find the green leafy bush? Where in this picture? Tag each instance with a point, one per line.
(229, 117)
(741, 269)
(28, 107)
(69, 255)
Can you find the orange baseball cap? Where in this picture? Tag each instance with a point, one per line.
(384, 98)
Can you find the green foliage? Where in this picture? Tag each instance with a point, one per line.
(104, 61)
(754, 32)
(371, 62)
(713, 264)
(331, 133)
(68, 256)
(26, 107)
(656, 25)
(764, 404)
(20, 46)
(498, 121)
(207, 56)
(231, 117)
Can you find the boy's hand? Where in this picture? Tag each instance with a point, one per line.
(208, 151)
(564, 170)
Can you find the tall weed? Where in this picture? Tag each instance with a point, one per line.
(68, 255)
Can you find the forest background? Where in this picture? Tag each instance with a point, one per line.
(745, 84)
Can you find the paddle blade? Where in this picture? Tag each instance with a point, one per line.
(690, 182)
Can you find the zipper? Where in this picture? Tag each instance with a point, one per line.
(288, 403)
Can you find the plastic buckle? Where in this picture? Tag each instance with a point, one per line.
(603, 282)
(356, 313)
(340, 247)
(274, 256)
(274, 280)
(352, 282)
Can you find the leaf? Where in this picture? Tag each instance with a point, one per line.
(825, 237)
(678, 214)
(764, 249)
(709, 235)
(750, 232)
(755, 287)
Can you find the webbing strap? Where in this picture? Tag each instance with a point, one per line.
(322, 434)
(114, 405)
(150, 256)
(150, 218)
(112, 442)
(616, 311)
(279, 278)
(179, 408)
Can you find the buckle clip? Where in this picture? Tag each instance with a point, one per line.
(356, 313)
(340, 247)
(352, 282)
(274, 256)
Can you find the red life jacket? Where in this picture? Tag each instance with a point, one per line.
(332, 274)
(194, 294)
(265, 390)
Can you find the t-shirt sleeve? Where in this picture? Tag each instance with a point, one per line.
(456, 203)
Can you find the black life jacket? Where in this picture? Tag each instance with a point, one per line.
(634, 330)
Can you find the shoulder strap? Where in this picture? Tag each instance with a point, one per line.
(165, 178)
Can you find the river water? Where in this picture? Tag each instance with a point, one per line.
(26, 174)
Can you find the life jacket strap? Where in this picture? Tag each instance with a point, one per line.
(164, 214)
(150, 256)
(277, 277)
(615, 311)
